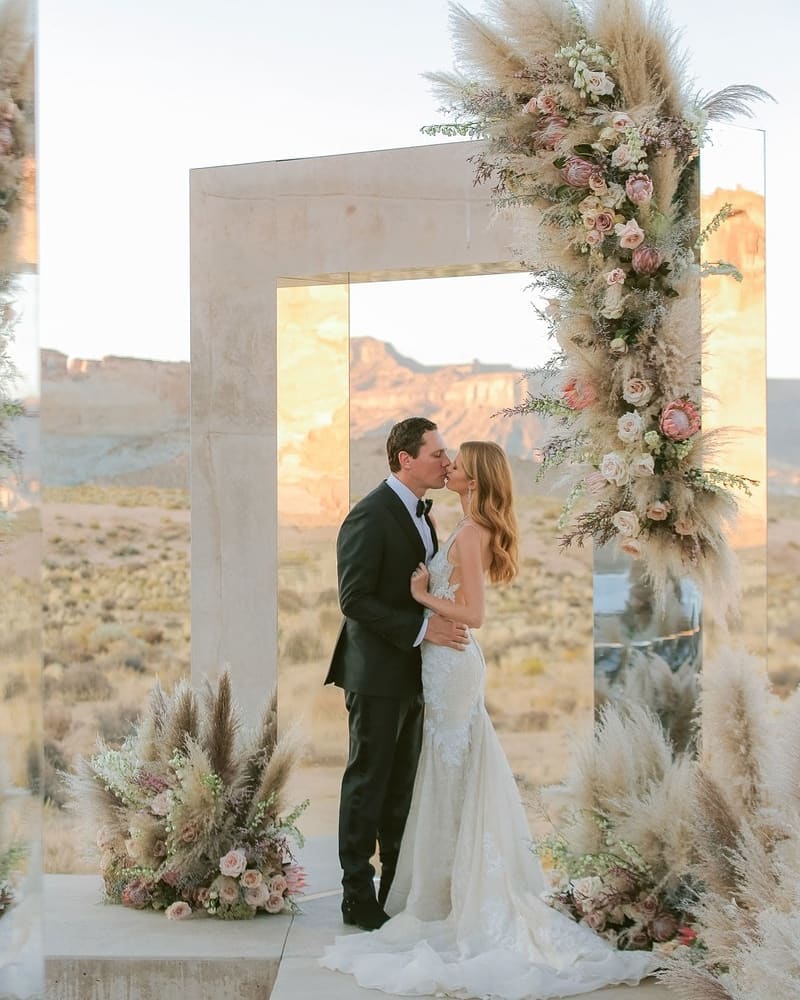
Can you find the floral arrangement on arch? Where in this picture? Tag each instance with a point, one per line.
(592, 139)
(188, 816)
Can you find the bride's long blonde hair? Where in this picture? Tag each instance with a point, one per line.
(492, 505)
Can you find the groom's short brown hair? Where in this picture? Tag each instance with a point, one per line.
(407, 436)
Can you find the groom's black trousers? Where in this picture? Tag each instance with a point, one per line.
(385, 740)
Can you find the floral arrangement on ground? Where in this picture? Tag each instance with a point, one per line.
(591, 137)
(694, 857)
(188, 816)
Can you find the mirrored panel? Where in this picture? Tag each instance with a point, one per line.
(313, 498)
(455, 349)
(734, 365)
(21, 763)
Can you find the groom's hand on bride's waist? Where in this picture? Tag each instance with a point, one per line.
(442, 632)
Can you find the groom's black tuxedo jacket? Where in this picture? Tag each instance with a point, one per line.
(377, 549)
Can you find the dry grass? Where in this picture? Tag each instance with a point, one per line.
(113, 622)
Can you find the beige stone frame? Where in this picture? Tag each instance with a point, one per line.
(411, 212)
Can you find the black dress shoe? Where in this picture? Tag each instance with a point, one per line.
(363, 913)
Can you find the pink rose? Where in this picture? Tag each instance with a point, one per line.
(597, 183)
(683, 526)
(203, 895)
(171, 877)
(639, 188)
(595, 482)
(616, 277)
(227, 889)
(554, 132)
(188, 834)
(578, 394)
(234, 863)
(546, 103)
(659, 510)
(274, 903)
(594, 237)
(620, 121)
(577, 171)
(630, 234)
(278, 884)
(679, 420)
(604, 221)
(178, 910)
(646, 260)
(632, 547)
(251, 878)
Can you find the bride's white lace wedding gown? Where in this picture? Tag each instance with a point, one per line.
(468, 917)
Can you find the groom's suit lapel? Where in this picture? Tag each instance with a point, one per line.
(403, 518)
(433, 534)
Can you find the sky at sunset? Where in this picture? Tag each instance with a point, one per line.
(132, 96)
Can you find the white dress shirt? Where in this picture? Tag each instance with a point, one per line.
(409, 499)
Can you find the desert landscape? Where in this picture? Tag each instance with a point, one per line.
(116, 529)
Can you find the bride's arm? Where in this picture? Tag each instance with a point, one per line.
(469, 608)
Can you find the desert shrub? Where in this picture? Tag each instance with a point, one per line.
(15, 685)
(301, 646)
(84, 682)
(116, 722)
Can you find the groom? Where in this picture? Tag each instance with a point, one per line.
(377, 660)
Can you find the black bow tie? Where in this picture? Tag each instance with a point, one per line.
(423, 506)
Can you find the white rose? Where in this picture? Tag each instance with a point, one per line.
(622, 157)
(614, 468)
(620, 121)
(159, 806)
(615, 196)
(234, 863)
(637, 392)
(257, 895)
(618, 346)
(587, 888)
(626, 523)
(599, 83)
(642, 465)
(630, 427)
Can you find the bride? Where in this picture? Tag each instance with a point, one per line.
(466, 907)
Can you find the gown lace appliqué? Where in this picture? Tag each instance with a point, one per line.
(468, 918)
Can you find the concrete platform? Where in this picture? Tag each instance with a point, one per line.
(100, 952)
